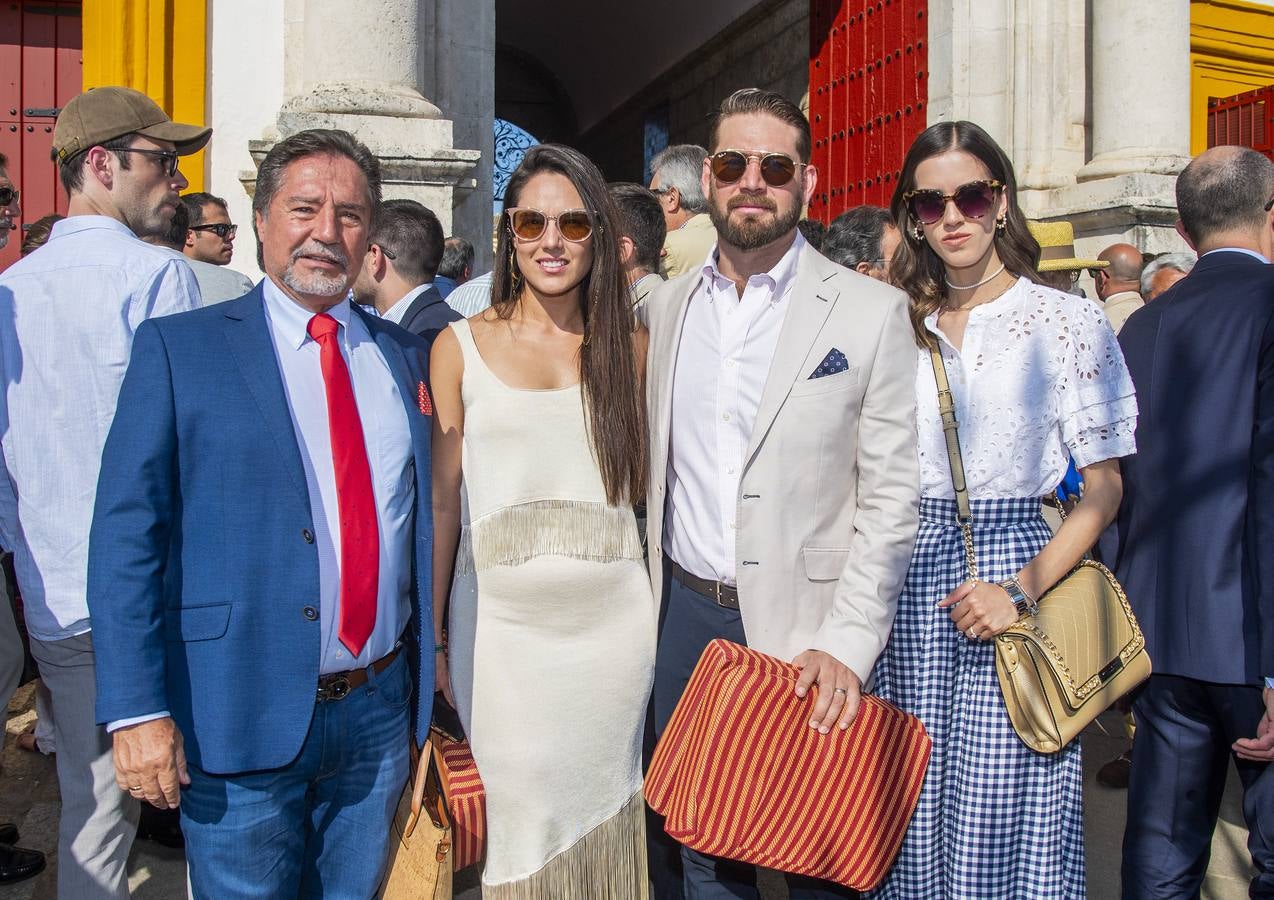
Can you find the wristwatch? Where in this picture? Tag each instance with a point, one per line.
(1022, 601)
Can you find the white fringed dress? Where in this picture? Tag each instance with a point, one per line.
(552, 645)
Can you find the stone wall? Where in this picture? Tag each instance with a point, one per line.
(767, 48)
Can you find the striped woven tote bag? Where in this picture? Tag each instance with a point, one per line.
(740, 774)
(466, 798)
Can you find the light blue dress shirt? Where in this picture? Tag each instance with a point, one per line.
(387, 436)
(68, 313)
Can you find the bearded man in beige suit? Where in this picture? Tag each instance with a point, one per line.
(783, 450)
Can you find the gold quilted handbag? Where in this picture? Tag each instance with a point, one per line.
(1083, 649)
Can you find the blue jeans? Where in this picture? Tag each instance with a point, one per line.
(318, 827)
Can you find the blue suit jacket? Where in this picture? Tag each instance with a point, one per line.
(1196, 526)
(428, 315)
(202, 584)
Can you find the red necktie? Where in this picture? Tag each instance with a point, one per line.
(360, 535)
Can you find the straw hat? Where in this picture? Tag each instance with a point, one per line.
(1057, 248)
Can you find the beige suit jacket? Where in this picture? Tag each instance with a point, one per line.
(686, 248)
(1120, 306)
(829, 494)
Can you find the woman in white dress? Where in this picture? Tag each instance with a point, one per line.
(539, 455)
(1037, 376)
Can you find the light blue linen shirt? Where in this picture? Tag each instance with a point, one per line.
(68, 313)
(387, 436)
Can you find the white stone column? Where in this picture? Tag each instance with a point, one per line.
(362, 69)
(1140, 87)
(365, 58)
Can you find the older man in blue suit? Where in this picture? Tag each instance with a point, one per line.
(1196, 533)
(259, 561)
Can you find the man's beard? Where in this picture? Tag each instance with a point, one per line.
(316, 284)
(754, 232)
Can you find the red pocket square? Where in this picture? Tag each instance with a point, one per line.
(422, 399)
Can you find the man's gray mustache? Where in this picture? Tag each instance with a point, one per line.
(320, 252)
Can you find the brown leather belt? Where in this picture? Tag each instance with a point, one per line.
(338, 685)
(726, 595)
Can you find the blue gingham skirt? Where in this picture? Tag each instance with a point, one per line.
(995, 819)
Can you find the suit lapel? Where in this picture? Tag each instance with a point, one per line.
(667, 340)
(811, 302)
(248, 335)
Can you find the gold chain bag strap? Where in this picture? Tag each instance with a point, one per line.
(1082, 651)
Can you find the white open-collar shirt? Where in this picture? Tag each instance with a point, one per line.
(723, 359)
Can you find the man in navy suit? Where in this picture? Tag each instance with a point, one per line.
(1196, 534)
(397, 277)
(259, 561)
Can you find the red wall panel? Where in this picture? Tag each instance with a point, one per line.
(40, 70)
(868, 93)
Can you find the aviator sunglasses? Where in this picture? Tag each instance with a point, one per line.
(8, 196)
(974, 200)
(777, 169)
(528, 224)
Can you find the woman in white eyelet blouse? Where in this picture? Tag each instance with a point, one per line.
(1037, 378)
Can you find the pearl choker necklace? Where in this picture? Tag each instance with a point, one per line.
(968, 287)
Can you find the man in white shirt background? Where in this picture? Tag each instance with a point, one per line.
(67, 318)
(399, 268)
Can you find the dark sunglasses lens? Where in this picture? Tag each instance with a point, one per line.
(728, 167)
(575, 225)
(974, 200)
(7, 196)
(777, 169)
(528, 224)
(927, 206)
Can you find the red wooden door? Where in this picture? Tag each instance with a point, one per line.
(40, 70)
(868, 93)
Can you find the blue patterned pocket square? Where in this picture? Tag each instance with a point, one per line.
(833, 364)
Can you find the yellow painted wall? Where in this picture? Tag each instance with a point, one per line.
(1231, 51)
(158, 47)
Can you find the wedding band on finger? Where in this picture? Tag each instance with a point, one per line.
(840, 691)
(972, 633)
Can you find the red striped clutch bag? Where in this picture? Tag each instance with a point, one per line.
(466, 799)
(740, 774)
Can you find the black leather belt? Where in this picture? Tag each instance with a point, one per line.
(726, 595)
(337, 685)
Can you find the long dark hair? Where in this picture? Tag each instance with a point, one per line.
(615, 411)
(915, 267)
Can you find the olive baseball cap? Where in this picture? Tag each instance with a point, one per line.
(100, 114)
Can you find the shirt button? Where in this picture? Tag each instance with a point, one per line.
(310, 613)
(729, 364)
(725, 417)
(307, 535)
(729, 470)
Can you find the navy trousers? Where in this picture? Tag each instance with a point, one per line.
(1180, 757)
(687, 623)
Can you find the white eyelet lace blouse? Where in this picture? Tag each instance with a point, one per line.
(1040, 376)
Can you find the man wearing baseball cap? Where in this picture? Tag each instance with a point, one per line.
(67, 319)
